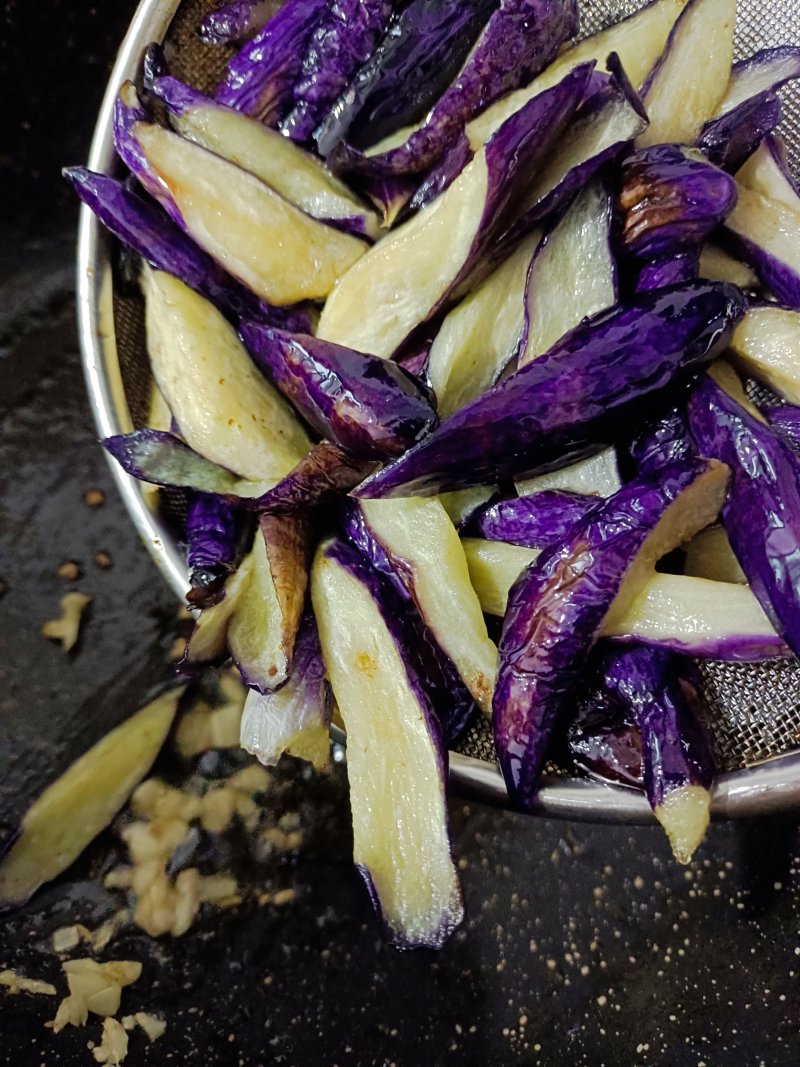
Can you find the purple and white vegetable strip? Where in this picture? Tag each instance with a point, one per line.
(420, 54)
(573, 400)
(767, 346)
(341, 43)
(235, 21)
(557, 607)
(677, 760)
(260, 79)
(148, 231)
(425, 552)
(696, 616)
(296, 718)
(396, 763)
(688, 85)
(450, 698)
(226, 409)
(280, 253)
(638, 41)
(608, 121)
(573, 275)
(762, 513)
(161, 458)
(413, 271)
(482, 334)
(370, 407)
(519, 40)
(295, 174)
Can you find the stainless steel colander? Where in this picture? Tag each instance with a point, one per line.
(755, 709)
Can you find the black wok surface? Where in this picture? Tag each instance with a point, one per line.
(584, 945)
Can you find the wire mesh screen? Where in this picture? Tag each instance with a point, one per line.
(754, 709)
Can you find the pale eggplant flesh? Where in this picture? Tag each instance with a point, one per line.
(296, 718)
(71, 811)
(396, 763)
(400, 275)
(695, 616)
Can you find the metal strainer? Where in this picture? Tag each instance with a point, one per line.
(755, 709)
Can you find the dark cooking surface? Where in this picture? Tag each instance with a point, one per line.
(583, 944)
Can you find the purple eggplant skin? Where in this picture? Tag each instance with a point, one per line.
(785, 421)
(605, 744)
(342, 42)
(235, 21)
(554, 615)
(750, 109)
(213, 536)
(370, 407)
(676, 269)
(576, 399)
(319, 479)
(449, 696)
(670, 201)
(422, 51)
(128, 112)
(536, 521)
(519, 40)
(260, 78)
(653, 686)
(662, 441)
(150, 233)
(133, 450)
(729, 140)
(762, 513)
(443, 174)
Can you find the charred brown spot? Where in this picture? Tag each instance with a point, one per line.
(366, 664)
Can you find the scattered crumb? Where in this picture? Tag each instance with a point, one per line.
(94, 498)
(66, 938)
(151, 1024)
(67, 628)
(283, 896)
(103, 559)
(93, 987)
(70, 570)
(114, 1047)
(17, 983)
